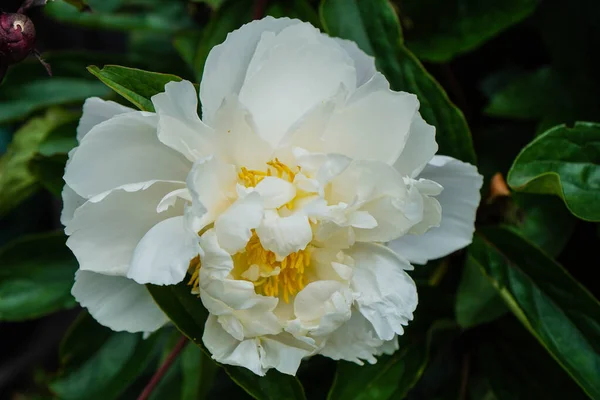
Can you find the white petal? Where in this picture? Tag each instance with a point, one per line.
(363, 63)
(163, 255)
(121, 151)
(328, 264)
(118, 303)
(179, 126)
(389, 347)
(239, 142)
(211, 183)
(387, 295)
(373, 125)
(459, 202)
(71, 202)
(95, 111)
(275, 192)
(171, 198)
(233, 227)
(297, 70)
(105, 231)
(216, 262)
(354, 341)
(419, 149)
(284, 235)
(222, 77)
(284, 352)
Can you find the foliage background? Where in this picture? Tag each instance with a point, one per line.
(515, 316)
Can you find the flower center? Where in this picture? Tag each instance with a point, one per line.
(251, 177)
(270, 276)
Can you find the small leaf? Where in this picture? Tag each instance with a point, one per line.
(135, 85)
(477, 301)
(458, 26)
(374, 26)
(36, 277)
(566, 162)
(556, 309)
(189, 316)
(16, 180)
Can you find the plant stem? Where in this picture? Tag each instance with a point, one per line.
(259, 9)
(163, 369)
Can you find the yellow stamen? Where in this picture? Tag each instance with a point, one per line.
(194, 269)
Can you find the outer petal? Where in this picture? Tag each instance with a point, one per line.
(354, 341)
(363, 63)
(284, 235)
(387, 295)
(95, 111)
(289, 74)
(419, 149)
(163, 255)
(105, 231)
(179, 126)
(222, 77)
(71, 202)
(459, 201)
(118, 303)
(121, 151)
(372, 125)
(234, 226)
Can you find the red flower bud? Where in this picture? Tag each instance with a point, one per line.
(17, 38)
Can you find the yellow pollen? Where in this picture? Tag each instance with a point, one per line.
(290, 279)
(194, 269)
(251, 177)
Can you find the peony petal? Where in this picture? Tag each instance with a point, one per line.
(121, 151)
(105, 231)
(419, 149)
(284, 352)
(372, 125)
(163, 255)
(95, 111)
(276, 192)
(71, 202)
(216, 262)
(118, 303)
(363, 63)
(459, 202)
(222, 77)
(179, 126)
(284, 235)
(234, 226)
(298, 69)
(387, 295)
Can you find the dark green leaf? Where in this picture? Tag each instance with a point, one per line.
(36, 277)
(189, 316)
(18, 101)
(300, 9)
(135, 85)
(49, 171)
(16, 181)
(439, 30)
(556, 309)
(84, 338)
(374, 26)
(477, 301)
(198, 373)
(565, 162)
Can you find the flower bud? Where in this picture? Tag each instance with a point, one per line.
(17, 37)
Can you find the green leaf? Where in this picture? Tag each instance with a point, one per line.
(229, 17)
(477, 301)
(18, 101)
(556, 309)
(135, 85)
(198, 373)
(189, 316)
(374, 26)
(106, 368)
(36, 277)
(439, 30)
(16, 180)
(49, 171)
(566, 162)
(300, 9)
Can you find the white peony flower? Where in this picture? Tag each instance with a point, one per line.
(278, 203)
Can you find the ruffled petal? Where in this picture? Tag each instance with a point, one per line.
(95, 111)
(118, 303)
(234, 226)
(284, 235)
(419, 149)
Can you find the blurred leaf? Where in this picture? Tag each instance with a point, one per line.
(565, 162)
(477, 301)
(135, 85)
(186, 44)
(211, 3)
(555, 308)
(513, 366)
(16, 181)
(230, 16)
(300, 9)
(189, 316)
(83, 339)
(169, 18)
(374, 26)
(198, 373)
(439, 30)
(36, 277)
(49, 171)
(392, 376)
(16, 102)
